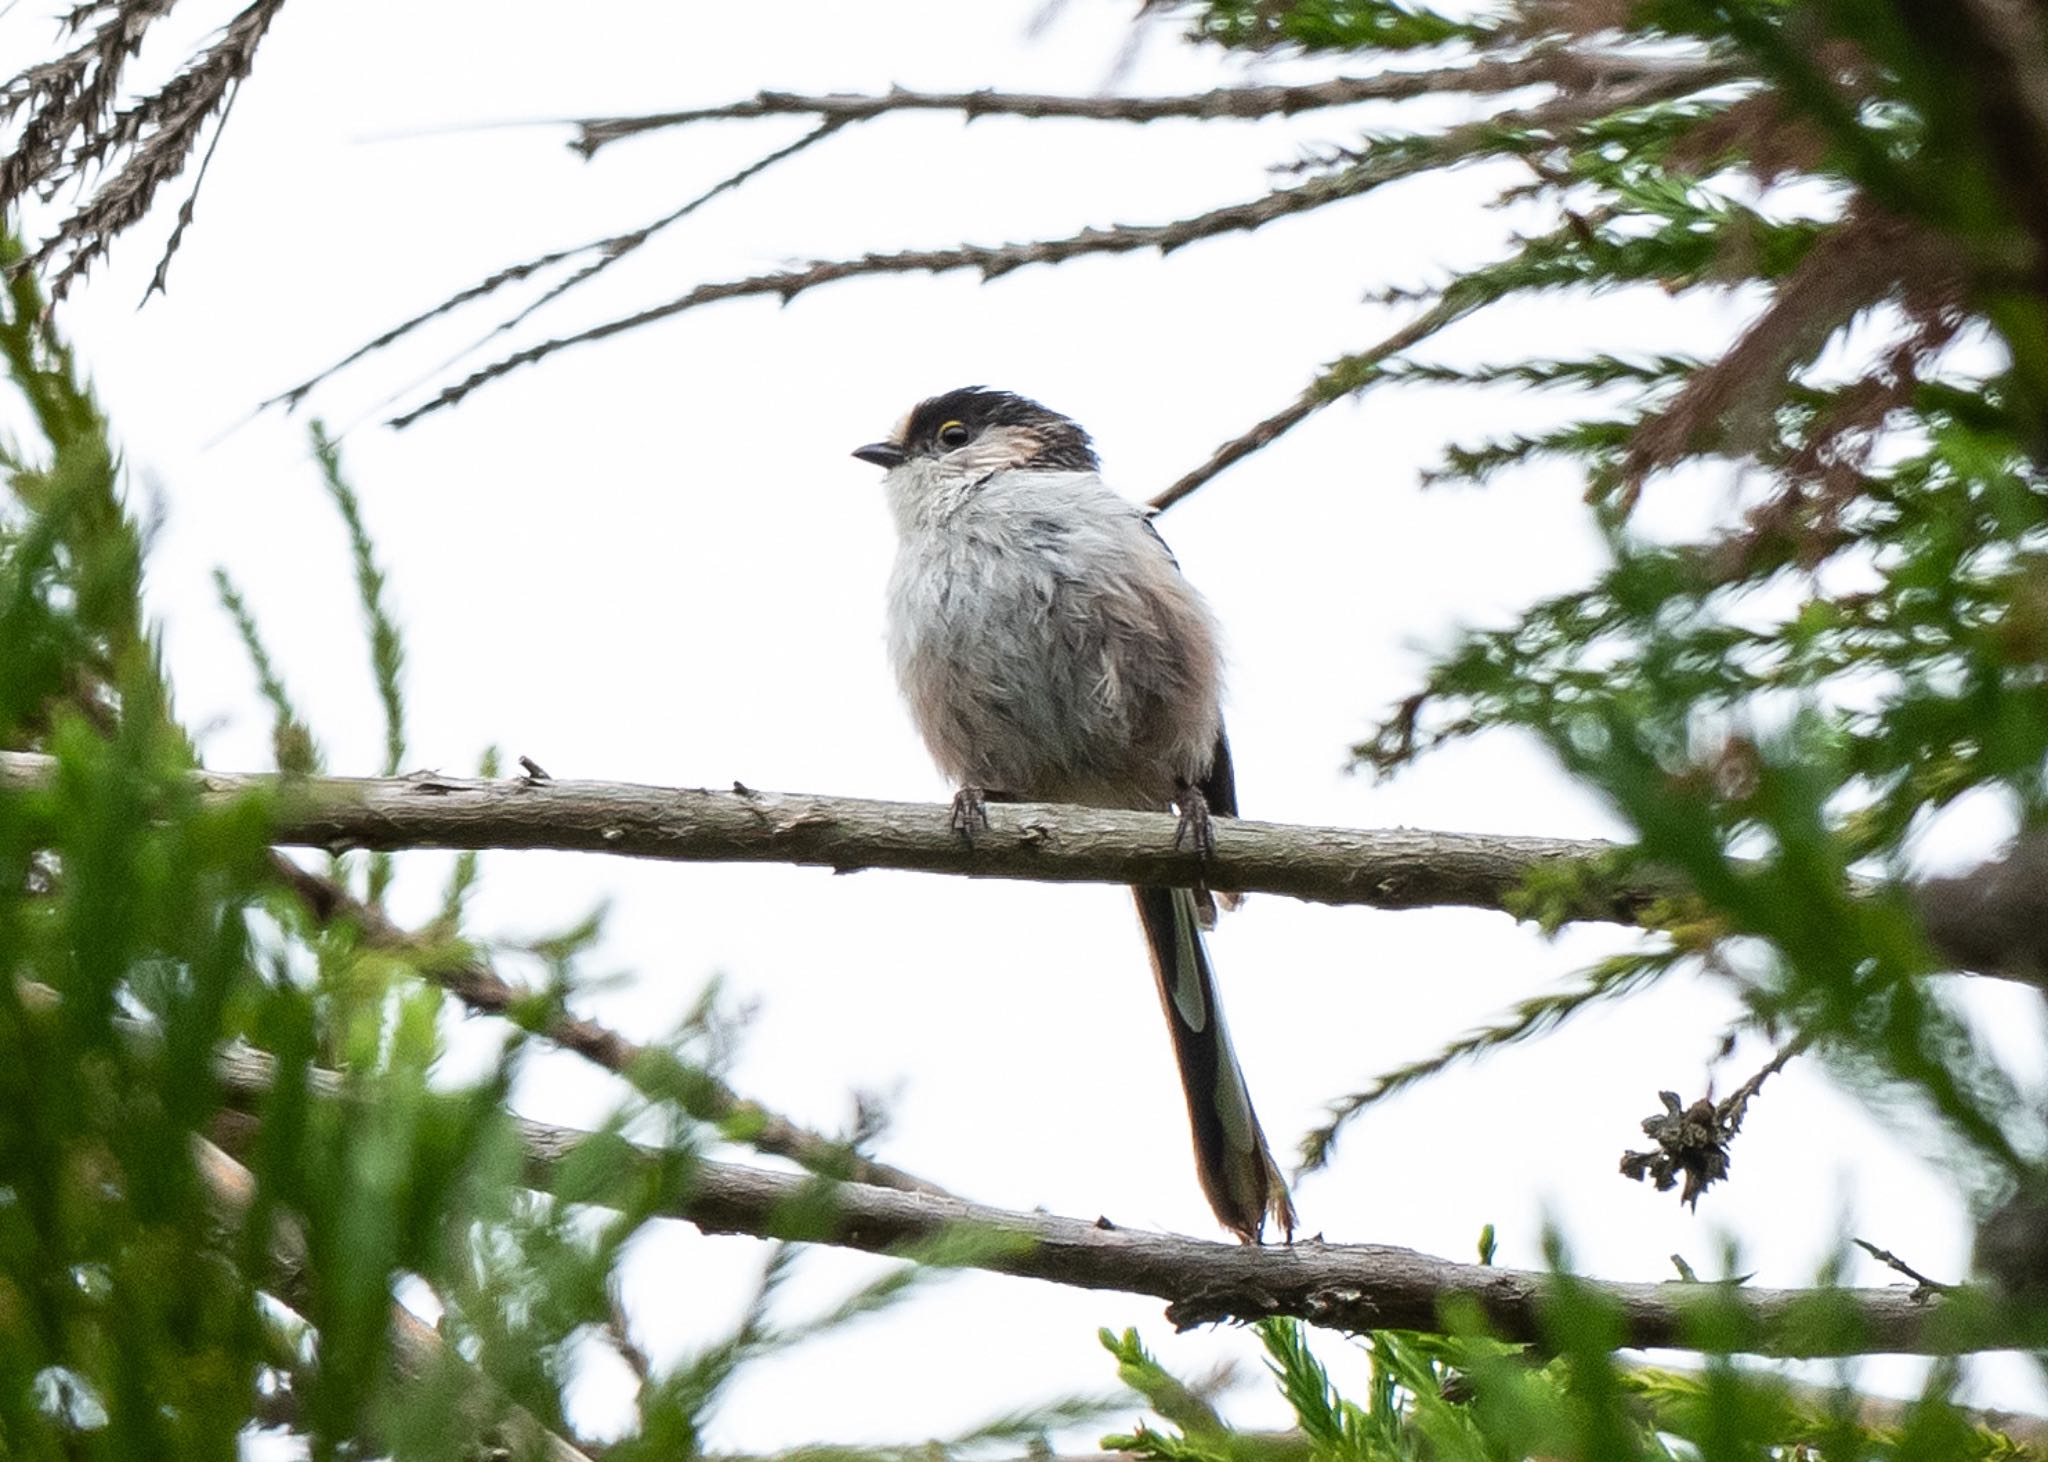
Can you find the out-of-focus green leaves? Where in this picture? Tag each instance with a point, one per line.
(1464, 1397)
(387, 645)
(155, 1306)
(1779, 702)
(1328, 25)
(126, 1327)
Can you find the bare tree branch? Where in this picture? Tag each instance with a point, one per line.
(990, 260)
(1567, 68)
(1385, 868)
(1397, 868)
(1357, 175)
(607, 251)
(473, 981)
(1585, 84)
(1345, 1286)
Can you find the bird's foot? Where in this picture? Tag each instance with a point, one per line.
(1197, 828)
(970, 813)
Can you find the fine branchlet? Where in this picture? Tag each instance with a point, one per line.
(1577, 69)
(990, 261)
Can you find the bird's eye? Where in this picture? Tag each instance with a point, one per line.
(954, 434)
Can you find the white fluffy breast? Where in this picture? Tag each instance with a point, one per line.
(1046, 643)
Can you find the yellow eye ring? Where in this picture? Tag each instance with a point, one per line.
(953, 434)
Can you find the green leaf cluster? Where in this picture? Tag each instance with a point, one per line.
(1462, 1397)
(191, 1254)
(1777, 706)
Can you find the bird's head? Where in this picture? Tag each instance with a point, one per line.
(957, 439)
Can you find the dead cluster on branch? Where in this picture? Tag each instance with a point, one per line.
(1693, 1141)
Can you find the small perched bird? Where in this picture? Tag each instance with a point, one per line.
(1051, 651)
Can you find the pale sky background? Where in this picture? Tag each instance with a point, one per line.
(654, 560)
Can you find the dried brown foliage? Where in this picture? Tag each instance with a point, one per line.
(1866, 259)
(78, 128)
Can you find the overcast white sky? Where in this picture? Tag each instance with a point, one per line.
(654, 560)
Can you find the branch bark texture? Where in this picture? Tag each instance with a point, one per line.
(1397, 868)
(1987, 921)
(1353, 1287)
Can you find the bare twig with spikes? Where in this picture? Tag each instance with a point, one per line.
(603, 253)
(1568, 68)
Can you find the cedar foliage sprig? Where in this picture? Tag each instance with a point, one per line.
(1861, 641)
(166, 1297)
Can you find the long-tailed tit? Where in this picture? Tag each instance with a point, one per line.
(1051, 651)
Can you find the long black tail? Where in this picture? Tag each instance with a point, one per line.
(1231, 1158)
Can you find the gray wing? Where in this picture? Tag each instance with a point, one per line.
(1220, 786)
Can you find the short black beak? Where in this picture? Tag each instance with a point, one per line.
(882, 454)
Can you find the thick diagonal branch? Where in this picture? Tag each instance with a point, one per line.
(1346, 1286)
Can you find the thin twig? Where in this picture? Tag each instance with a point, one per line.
(160, 277)
(483, 990)
(609, 250)
(1892, 1261)
(1356, 368)
(991, 260)
(1735, 1106)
